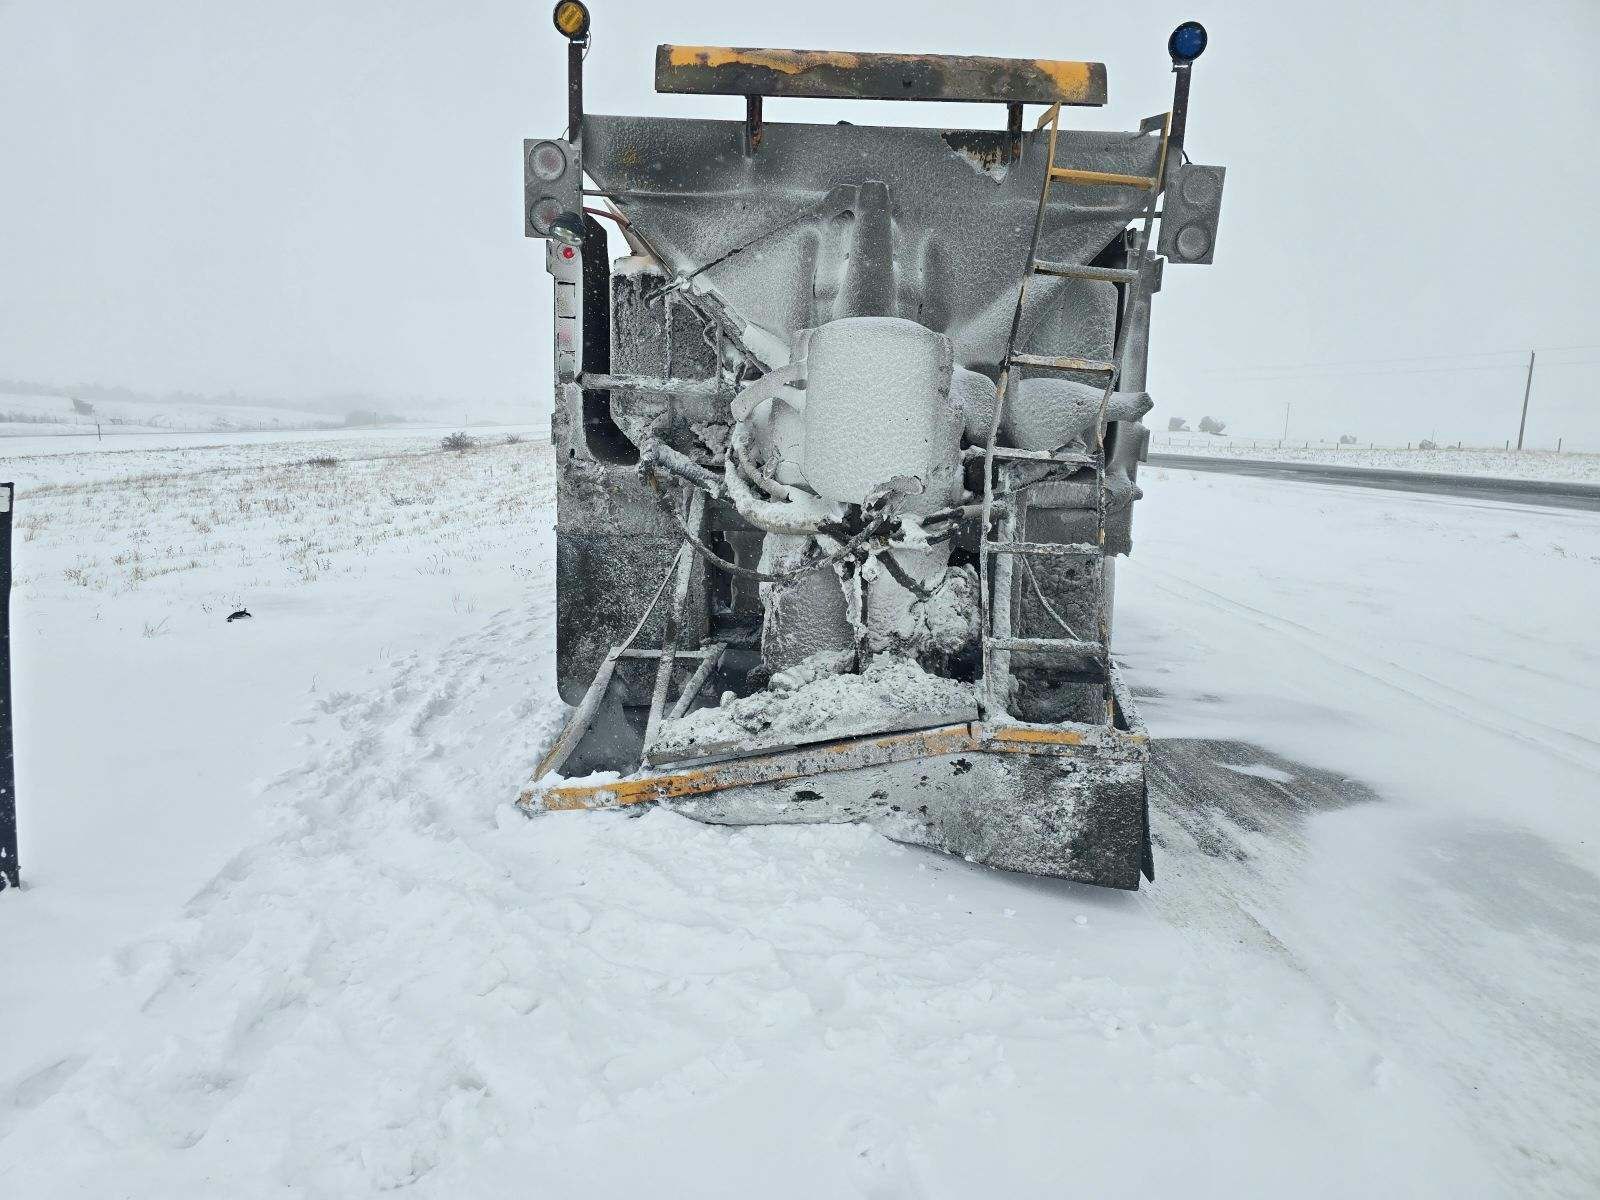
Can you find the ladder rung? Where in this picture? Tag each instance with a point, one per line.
(1048, 549)
(1075, 458)
(1075, 271)
(1068, 362)
(1105, 178)
(1055, 647)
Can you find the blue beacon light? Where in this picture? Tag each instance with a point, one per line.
(1187, 43)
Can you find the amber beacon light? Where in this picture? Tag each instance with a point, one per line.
(571, 19)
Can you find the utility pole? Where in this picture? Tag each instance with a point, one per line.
(1287, 404)
(1526, 392)
(10, 872)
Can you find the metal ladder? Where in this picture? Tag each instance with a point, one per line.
(1003, 551)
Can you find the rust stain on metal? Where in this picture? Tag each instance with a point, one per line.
(984, 148)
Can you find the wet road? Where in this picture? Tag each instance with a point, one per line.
(1546, 493)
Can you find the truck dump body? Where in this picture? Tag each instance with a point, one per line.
(848, 423)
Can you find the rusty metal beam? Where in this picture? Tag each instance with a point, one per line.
(849, 75)
(752, 124)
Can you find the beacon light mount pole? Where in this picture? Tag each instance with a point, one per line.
(1187, 43)
(571, 19)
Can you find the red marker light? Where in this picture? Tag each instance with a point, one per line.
(567, 252)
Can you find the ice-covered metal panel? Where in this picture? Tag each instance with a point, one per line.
(1193, 211)
(764, 230)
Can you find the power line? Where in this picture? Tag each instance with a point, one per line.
(1290, 376)
(1375, 362)
(1357, 362)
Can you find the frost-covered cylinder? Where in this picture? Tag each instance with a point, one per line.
(878, 408)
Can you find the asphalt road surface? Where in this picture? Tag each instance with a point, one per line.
(1548, 493)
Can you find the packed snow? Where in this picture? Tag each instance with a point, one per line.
(820, 698)
(286, 934)
(1503, 464)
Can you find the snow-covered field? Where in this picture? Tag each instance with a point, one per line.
(1506, 464)
(284, 933)
(35, 416)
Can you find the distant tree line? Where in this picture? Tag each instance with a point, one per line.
(1207, 425)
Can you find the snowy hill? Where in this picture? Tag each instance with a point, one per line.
(35, 416)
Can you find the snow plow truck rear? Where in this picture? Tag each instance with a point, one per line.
(847, 426)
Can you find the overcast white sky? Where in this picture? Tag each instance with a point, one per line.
(308, 197)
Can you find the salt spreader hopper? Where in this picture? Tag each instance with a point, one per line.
(847, 421)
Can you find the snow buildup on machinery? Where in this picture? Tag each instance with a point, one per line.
(847, 426)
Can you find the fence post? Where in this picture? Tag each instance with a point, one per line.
(10, 872)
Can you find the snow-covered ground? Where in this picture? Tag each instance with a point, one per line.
(1506, 464)
(285, 934)
(27, 415)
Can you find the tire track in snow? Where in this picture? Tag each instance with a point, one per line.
(1228, 823)
(1480, 974)
(1571, 747)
